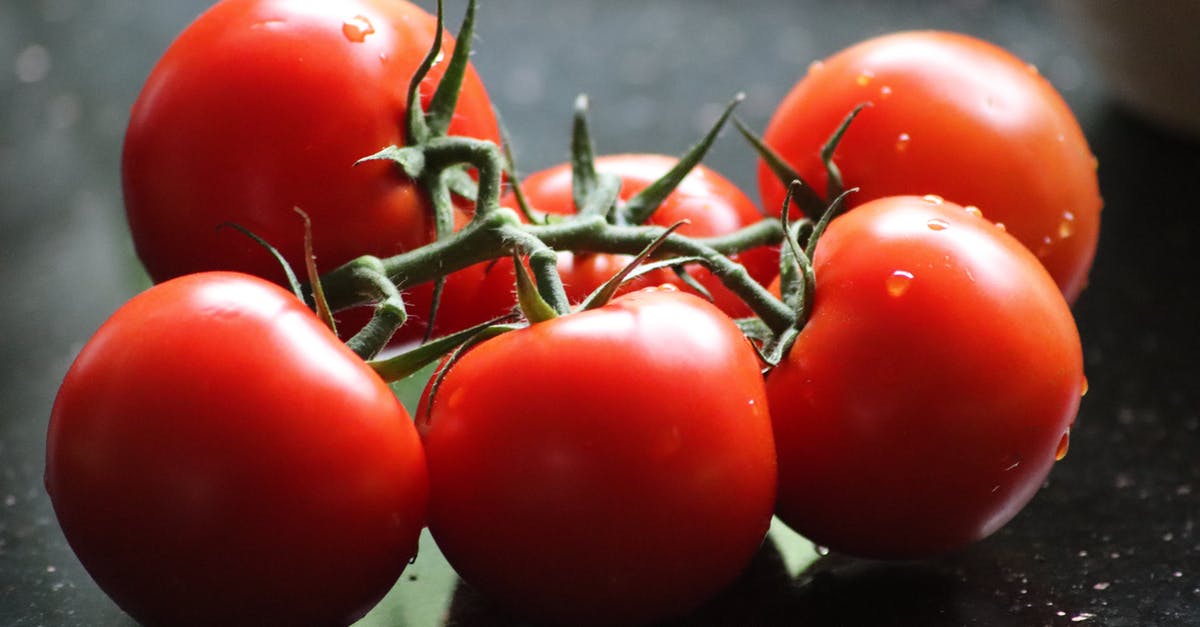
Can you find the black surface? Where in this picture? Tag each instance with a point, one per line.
(1110, 540)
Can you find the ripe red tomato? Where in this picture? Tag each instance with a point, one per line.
(261, 106)
(711, 204)
(953, 116)
(217, 457)
(612, 466)
(924, 403)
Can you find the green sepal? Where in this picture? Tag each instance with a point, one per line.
(412, 361)
(514, 178)
(535, 308)
(810, 203)
(603, 294)
(314, 278)
(293, 282)
(488, 332)
(445, 97)
(416, 126)
(411, 159)
(584, 179)
(639, 208)
(833, 176)
(690, 281)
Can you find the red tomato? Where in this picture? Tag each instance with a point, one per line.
(712, 205)
(953, 116)
(261, 106)
(217, 457)
(609, 466)
(925, 401)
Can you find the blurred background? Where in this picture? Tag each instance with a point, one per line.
(1111, 538)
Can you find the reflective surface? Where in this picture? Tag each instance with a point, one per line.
(1109, 540)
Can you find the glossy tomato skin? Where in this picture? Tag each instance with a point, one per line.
(710, 203)
(953, 116)
(262, 106)
(614, 466)
(217, 457)
(925, 401)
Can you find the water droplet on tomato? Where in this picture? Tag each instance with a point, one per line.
(898, 283)
(357, 28)
(1066, 228)
(864, 79)
(933, 199)
(973, 210)
(815, 66)
(1011, 462)
(1000, 227)
(821, 550)
(885, 91)
(1083, 389)
(1063, 445)
(1032, 69)
(902, 142)
(937, 224)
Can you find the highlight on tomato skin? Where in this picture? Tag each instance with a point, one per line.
(931, 390)
(216, 456)
(262, 106)
(620, 470)
(953, 116)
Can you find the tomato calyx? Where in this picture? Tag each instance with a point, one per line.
(808, 200)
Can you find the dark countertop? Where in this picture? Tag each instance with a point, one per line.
(1110, 540)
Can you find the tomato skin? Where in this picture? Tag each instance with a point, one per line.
(217, 457)
(954, 116)
(620, 471)
(923, 404)
(261, 106)
(710, 203)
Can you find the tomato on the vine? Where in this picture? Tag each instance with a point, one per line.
(263, 106)
(609, 466)
(932, 388)
(216, 456)
(954, 116)
(710, 203)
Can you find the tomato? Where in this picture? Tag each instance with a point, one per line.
(710, 203)
(931, 390)
(217, 457)
(953, 116)
(261, 106)
(609, 466)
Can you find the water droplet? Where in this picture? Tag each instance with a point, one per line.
(357, 28)
(821, 550)
(995, 488)
(1103, 585)
(902, 142)
(973, 210)
(1079, 618)
(933, 199)
(1083, 388)
(864, 78)
(885, 91)
(1066, 228)
(1032, 69)
(816, 66)
(1000, 227)
(1011, 462)
(898, 283)
(1063, 445)
(937, 224)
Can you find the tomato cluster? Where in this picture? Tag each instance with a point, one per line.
(218, 455)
